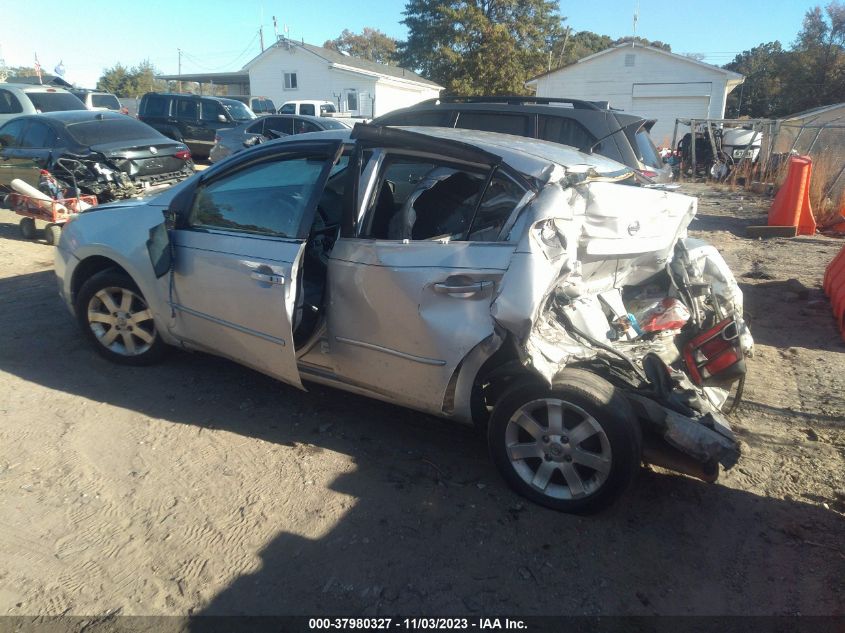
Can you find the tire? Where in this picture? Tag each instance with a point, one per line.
(27, 227)
(52, 234)
(576, 475)
(115, 318)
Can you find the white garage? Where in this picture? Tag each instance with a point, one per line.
(647, 81)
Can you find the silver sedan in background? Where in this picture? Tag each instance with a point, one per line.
(232, 140)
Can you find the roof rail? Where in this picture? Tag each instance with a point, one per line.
(521, 100)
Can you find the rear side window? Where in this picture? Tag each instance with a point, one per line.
(187, 109)
(266, 199)
(11, 132)
(440, 118)
(302, 126)
(496, 207)
(646, 151)
(112, 131)
(494, 122)
(38, 135)
(54, 101)
(283, 125)
(155, 106)
(565, 131)
(327, 108)
(9, 103)
(105, 101)
(306, 108)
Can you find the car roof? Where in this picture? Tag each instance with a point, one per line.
(34, 87)
(79, 116)
(529, 156)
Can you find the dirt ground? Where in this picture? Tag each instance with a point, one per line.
(202, 487)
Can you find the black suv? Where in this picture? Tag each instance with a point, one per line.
(586, 125)
(191, 119)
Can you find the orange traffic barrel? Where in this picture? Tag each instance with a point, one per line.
(791, 206)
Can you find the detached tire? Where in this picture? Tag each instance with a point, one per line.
(117, 321)
(573, 448)
(27, 227)
(52, 234)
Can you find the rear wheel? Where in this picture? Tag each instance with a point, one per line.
(117, 320)
(52, 234)
(27, 227)
(574, 448)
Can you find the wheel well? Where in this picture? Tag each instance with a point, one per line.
(89, 267)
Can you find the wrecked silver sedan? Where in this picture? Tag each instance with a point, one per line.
(505, 282)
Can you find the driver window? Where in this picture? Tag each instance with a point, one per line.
(266, 199)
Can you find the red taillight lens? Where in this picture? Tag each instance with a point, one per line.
(648, 174)
(183, 154)
(715, 353)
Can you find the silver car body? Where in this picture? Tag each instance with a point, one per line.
(412, 321)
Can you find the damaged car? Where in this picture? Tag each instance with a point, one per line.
(514, 284)
(112, 156)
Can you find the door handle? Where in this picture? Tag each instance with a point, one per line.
(268, 278)
(463, 289)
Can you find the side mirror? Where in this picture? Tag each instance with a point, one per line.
(222, 118)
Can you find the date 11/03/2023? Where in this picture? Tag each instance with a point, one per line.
(416, 624)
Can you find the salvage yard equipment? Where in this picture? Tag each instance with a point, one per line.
(35, 205)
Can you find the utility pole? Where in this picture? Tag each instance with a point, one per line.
(261, 36)
(180, 69)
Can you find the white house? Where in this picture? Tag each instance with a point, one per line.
(289, 71)
(646, 81)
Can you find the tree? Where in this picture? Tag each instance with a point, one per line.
(815, 70)
(131, 82)
(761, 95)
(370, 44)
(475, 47)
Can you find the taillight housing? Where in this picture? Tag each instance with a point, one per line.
(715, 356)
(648, 173)
(183, 154)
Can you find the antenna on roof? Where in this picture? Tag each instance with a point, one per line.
(636, 19)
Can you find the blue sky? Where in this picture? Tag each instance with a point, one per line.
(95, 34)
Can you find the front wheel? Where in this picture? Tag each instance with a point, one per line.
(117, 320)
(574, 448)
(52, 234)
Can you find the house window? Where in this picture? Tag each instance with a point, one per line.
(352, 100)
(629, 59)
(290, 81)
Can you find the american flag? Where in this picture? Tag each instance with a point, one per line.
(38, 68)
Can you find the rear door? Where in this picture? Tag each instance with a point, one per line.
(10, 135)
(238, 249)
(35, 152)
(410, 289)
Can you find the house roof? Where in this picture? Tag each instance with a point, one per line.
(732, 76)
(347, 62)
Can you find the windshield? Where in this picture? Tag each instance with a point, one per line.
(54, 101)
(105, 101)
(101, 131)
(237, 110)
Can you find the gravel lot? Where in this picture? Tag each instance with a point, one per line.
(199, 486)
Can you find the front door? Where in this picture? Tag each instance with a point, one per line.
(238, 252)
